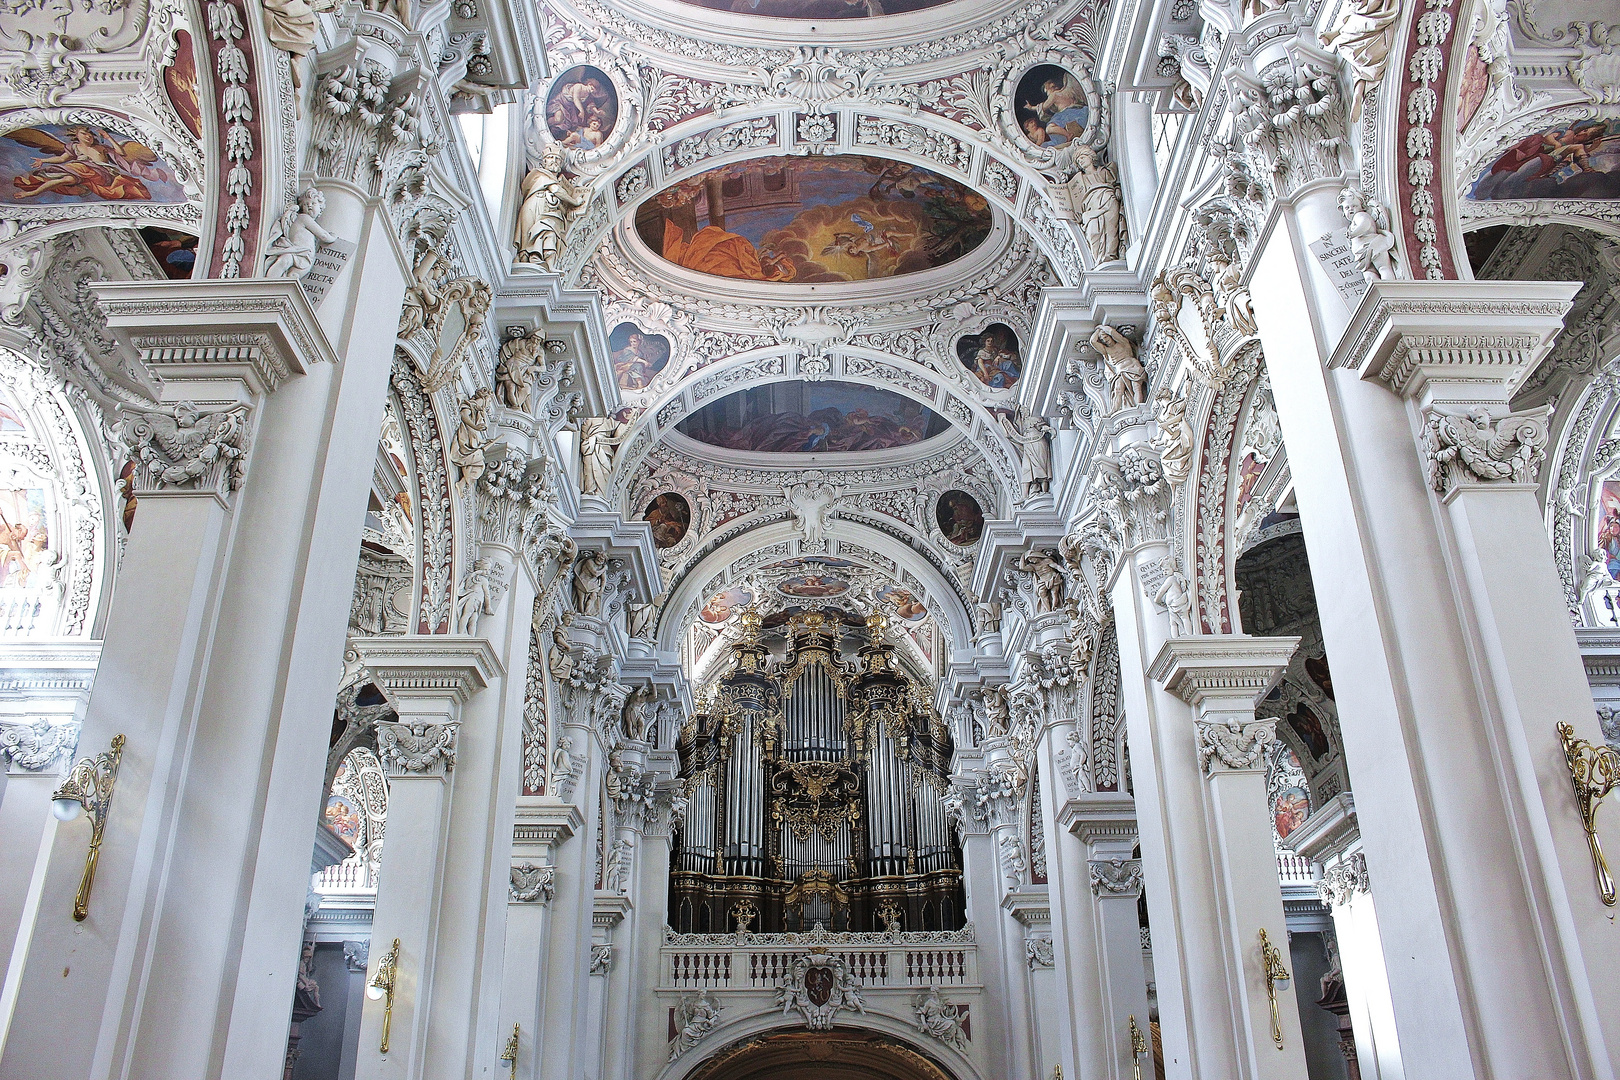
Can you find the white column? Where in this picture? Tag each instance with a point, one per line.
(218, 668)
(465, 1036)
(1223, 676)
(543, 823)
(1102, 942)
(1199, 1015)
(1446, 626)
(563, 1033)
(1330, 839)
(1005, 1029)
(428, 680)
(51, 682)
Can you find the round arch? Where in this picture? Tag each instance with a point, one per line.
(786, 363)
(855, 540)
(771, 1046)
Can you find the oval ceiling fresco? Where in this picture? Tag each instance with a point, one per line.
(814, 219)
(812, 418)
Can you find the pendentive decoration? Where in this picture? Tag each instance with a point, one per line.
(1593, 772)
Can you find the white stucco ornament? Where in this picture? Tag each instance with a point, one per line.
(817, 988)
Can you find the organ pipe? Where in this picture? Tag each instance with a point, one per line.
(812, 778)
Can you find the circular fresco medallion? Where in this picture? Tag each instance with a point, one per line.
(582, 108)
(960, 518)
(1050, 106)
(992, 355)
(670, 516)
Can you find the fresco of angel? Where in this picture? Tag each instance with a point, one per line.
(82, 161)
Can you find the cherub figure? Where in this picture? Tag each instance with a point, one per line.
(296, 236)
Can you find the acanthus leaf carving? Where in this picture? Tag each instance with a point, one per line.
(181, 447)
(416, 748)
(1477, 448)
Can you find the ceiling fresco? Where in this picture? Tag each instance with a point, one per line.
(845, 217)
(812, 418)
(818, 9)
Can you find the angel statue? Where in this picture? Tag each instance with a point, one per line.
(295, 237)
(695, 1017)
(180, 445)
(89, 163)
(1372, 243)
(550, 200)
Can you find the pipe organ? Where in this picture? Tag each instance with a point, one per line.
(814, 787)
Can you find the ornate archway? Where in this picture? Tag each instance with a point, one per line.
(840, 1054)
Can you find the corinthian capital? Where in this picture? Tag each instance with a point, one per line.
(37, 746)
(1234, 745)
(1473, 447)
(1116, 877)
(183, 448)
(417, 749)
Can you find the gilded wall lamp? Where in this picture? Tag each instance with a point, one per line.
(1139, 1047)
(381, 988)
(511, 1052)
(1593, 772)
(89, 787)
(1277, 978)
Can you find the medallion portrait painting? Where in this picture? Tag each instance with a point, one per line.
(637, 356)
(1578, 161)
(670, 516)
(959, 517)
(812, 418)
(814, 219)
(582, 108)
(992, 355)
(1050, 106)
(53, 164)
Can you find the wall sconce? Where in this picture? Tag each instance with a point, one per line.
(511, 1052)
(89, 787)
(1593, 772)
(1277, 978)
(1139, 1047)
(382, 987)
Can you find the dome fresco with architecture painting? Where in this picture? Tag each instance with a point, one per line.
(814, 219)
